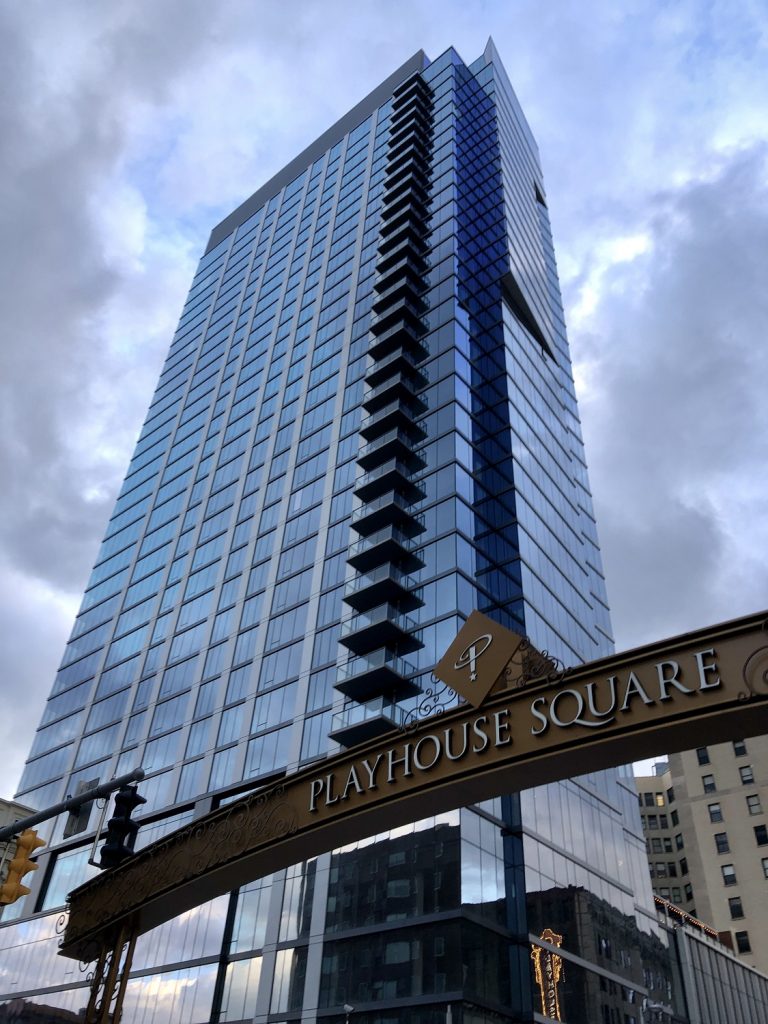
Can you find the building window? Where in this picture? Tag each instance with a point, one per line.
(739, 748)
(655, 846)
(672, 869)
(683, 865)
(667, 844)
(676, 894)
(765, 866)
(661, 869)
(747, 775)
(648, 797)
(675, 818)
(729, 874)
(688, 890)
(659, 799)
(735, 907)
(702, 755)
(663, 822)
(670, 795)
(753, 804)
(742, 942)
(715, 812)
(664, 893)
(653, 821)
(708, 782)
(721, 842)
(761, 835)
(679, 844)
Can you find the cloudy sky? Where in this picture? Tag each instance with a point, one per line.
(128, 130)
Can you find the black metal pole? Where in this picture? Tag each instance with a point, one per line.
(70, 804)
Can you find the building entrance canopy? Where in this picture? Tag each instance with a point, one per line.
(704, 687)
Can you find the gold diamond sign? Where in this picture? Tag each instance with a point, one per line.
(477, 657)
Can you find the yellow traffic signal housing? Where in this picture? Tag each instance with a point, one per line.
(26, 845)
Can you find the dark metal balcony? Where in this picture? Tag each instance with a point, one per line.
(415, 121)
(402, 334)
(414, 89)
(408, 268)
(390, 509)
(385, 546)
(398, 386)
(408, 203)
(381, 626)
(405, 217)
(401, 309)
(412, 144)
(359, 723)
(401, 287)
(402, 360)
(393, 416)
(405, 247)
(391, 475)
(413, 170)
(395, 444)
(381, 673)
(405, 189)
(386, 584)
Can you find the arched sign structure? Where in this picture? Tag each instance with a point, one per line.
(703, 687)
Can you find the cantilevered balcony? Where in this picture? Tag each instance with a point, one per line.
(402, 334)
(384, 625)
(399, 310)
(404, 286)
(390, 509)
(396, 443)
(410, 230)
(405, 188)
(388, 545)
(397, 387)
(390, 475)
(358, 723)
(413, 199)
(401, 360)
(407, 267)
(396, 415)
(415, 90)
(415, 120)
(395, 252)
(384, 584)
(381, 673)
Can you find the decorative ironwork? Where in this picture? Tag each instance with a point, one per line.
(436, 699)
(260, 818)
(531, 665)
(110, 978)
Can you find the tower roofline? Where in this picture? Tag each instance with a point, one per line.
(323, 142)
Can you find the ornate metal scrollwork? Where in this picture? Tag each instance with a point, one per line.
(532, 665)
(109, 978)
(436, 699)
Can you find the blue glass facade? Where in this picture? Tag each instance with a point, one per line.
(365, 428)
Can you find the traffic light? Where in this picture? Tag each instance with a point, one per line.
(20, 865)
(121, 831)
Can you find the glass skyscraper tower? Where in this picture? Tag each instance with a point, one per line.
(365, 428)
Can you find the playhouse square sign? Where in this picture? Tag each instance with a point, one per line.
(705, 687)
(642, 689)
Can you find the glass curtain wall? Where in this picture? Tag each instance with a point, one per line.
(207, 648)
